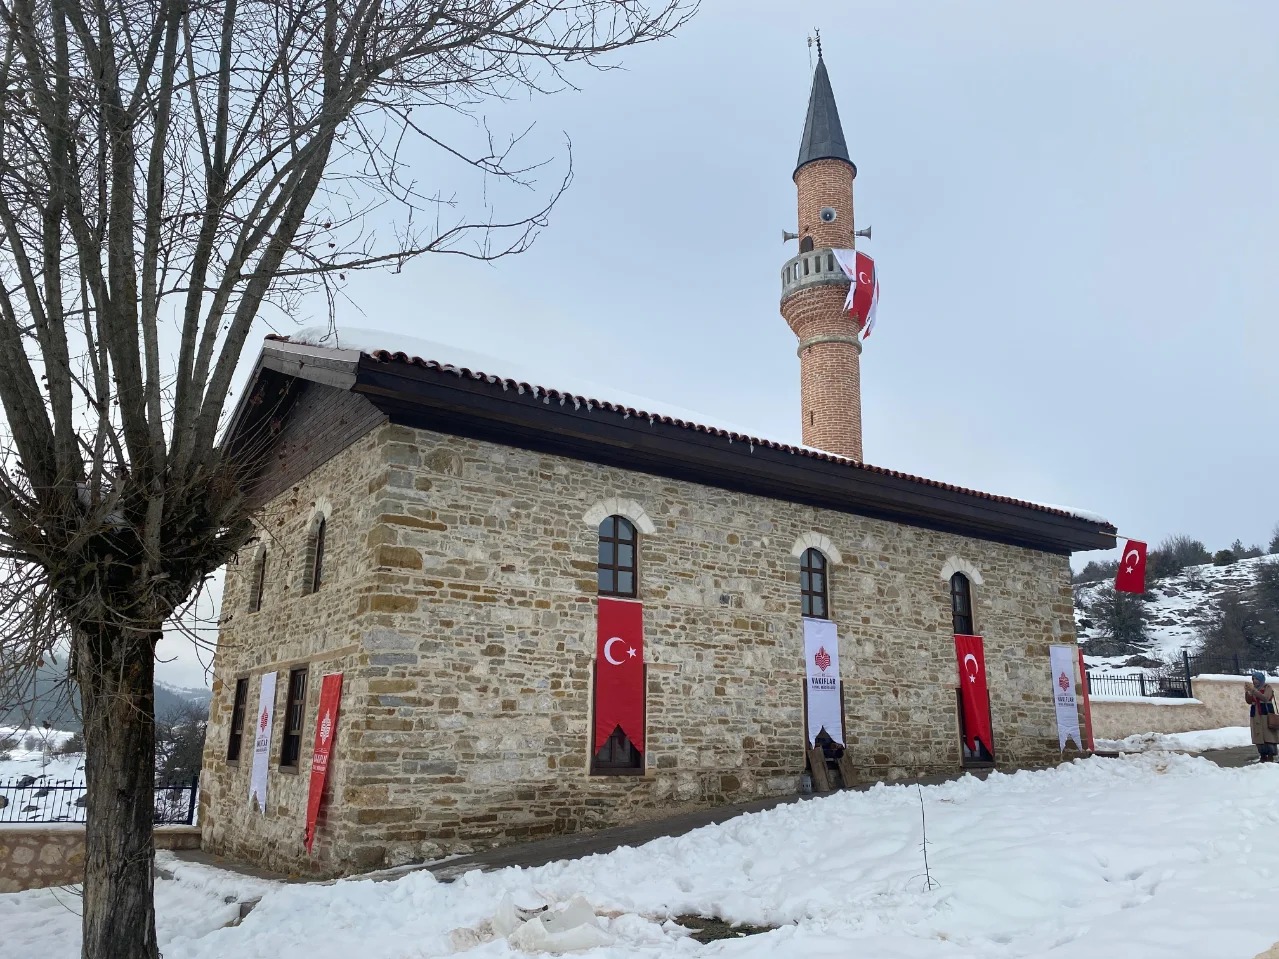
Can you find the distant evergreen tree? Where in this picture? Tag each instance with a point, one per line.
(1274, 540)
(1235, 628)
(1265, 599)
(1096, 572)
(179, 743)
(1223, 557)
(1120, 619)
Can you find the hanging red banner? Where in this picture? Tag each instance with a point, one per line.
(326, 727)
(619, 672)
(973, 694)
(1083, 685)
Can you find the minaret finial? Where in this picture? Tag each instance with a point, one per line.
(818, 34)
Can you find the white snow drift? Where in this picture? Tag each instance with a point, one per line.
(1145, 856)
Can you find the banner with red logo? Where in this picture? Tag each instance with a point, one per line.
(326, 727)
(821, 667)
(1131, 575)
(973, 694)
(262, 741)
(1062, 659)
(619, 672)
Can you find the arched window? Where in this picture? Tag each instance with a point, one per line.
(806, 246)
(257, 582)
(618, 557)
(961, 605)
(315, 554)
(813, 584)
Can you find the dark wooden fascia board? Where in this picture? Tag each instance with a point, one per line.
(453, 404)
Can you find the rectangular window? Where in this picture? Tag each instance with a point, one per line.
(617, 558)
(237, 720)
(291, 748)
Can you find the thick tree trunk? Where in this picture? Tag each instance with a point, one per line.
(115, 670)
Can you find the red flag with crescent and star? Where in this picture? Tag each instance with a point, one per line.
(1131, 576)
(326, 727)
(619, 672)
(863, 294)
(973, 694)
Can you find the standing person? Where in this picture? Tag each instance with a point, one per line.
(1260, 697)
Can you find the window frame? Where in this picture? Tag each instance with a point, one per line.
(257, 585)
(808, 596)
(316, 571)
(962, 621)
(294, 719)
(239, 707)
(616, 569)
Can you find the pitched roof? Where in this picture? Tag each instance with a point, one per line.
(823, 136)
(391, 392)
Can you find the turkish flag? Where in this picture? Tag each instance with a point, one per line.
(619, 672)
(973, 693)
(1131, 577)
(863, 294)
(326, 727)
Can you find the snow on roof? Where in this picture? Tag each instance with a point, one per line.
(421, 352)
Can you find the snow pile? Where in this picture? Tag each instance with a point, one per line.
(1071, 863)
(191, 902)
(1228, 737)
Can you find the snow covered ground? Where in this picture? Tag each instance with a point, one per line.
(1145, 856)
(33, 802)
(1227, 738)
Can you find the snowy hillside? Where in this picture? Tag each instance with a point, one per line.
(1177, 606)
(49, 702)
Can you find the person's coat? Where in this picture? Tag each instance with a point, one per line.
(1261, 703)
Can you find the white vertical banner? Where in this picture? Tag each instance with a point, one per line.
(821, 666)
(262, 741)
(1063, 660)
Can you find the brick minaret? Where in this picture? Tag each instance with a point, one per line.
(814, 288)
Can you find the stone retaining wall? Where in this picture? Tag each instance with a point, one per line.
(32, 857)
(1218, 702)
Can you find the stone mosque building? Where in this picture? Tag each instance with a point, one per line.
(449, 541)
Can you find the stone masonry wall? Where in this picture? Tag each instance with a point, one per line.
(465, 621)
(293, 628)
(33, 857)
(1218, 702)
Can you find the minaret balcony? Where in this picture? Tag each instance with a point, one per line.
(814, 268)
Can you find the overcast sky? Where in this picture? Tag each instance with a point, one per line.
(1074, 208)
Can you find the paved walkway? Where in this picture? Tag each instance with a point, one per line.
(1232, 758)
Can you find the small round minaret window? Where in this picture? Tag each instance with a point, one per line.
(828, 214)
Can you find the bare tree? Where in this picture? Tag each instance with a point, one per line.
(171, 171)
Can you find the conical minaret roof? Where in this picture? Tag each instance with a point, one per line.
(823, 135)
